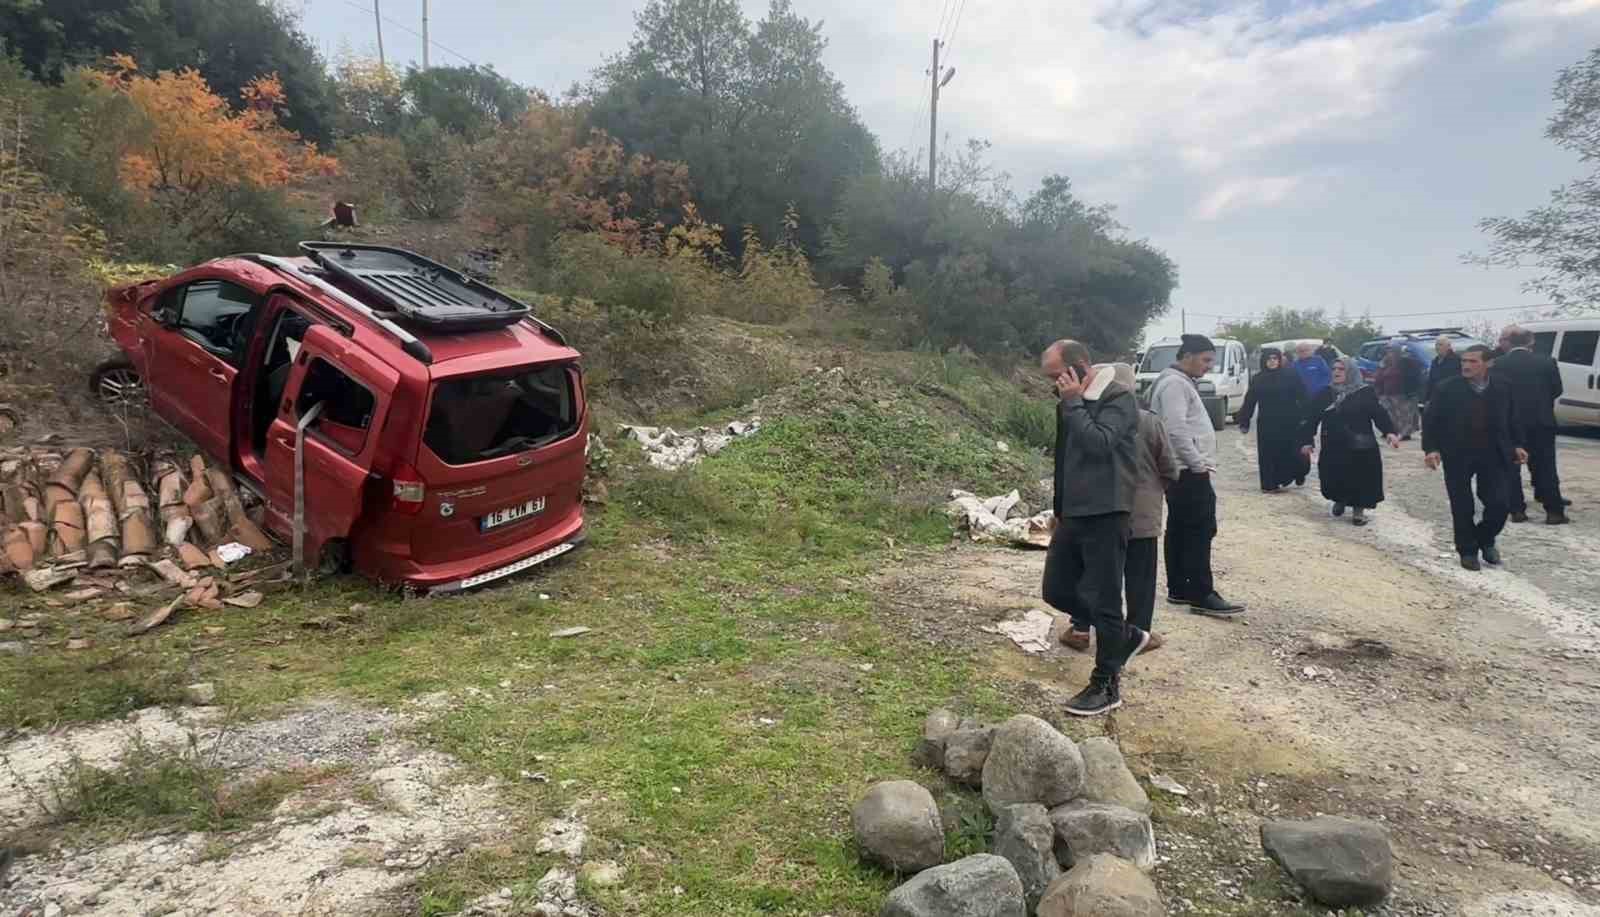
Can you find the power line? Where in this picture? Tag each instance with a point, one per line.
(409, 31)
(1547, 305)
(952, 37)
(944, 18)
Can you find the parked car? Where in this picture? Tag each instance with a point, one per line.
(443, 427)
(1573, 342)
(1223, 389)
(1419, 343)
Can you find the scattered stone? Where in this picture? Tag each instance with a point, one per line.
(965, 752)
(930, 748)
(1085, 828)
(121, 611)
(558, 885)
(564, 836)
(897, 825)
(1029, 761)
(1341, 862)
(200, 694)
(249, 599)
(78, 644)
(1024, 835)
(1102, 886)
(602, 874)
(569, 632)
(1168, 785)
(978, 886)
(1107, 778)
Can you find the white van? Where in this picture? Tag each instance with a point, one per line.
(1573, 342)
(1223, 389)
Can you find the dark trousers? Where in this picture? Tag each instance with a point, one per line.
(1542, 468)
(1191, 525)
(1493, 479)
(1083, 578)
(1138, 586)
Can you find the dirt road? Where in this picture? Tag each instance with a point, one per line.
(1372, 677)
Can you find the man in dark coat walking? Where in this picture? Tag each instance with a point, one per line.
(1535, 385)
(1471, 429)
(1446, 365)
(1096, 477)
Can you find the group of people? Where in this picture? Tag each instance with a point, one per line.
(1115, 465)
(1482, 413)
(1488, 413)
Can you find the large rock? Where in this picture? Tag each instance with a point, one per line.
(897, 825)
(1341, 862)
(1085, 828)
(1102, 886)
(965, 752)
(978, 886)
(1030, 762)
(1106, 777)
(1024, 835)
(930, 748)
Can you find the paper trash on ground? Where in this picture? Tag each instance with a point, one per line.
(1031, 633)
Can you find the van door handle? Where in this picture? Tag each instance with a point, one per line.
(285, 442)
(219, 375)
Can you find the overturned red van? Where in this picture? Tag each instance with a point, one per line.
(440, 427)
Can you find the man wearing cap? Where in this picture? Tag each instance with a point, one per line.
(1191, 501)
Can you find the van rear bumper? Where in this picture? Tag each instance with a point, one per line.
(458, 576)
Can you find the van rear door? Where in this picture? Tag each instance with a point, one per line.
(502, 459)
(1576, 352)
(355, 392)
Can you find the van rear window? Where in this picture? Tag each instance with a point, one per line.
(490, 416)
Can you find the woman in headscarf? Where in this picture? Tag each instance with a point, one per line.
(1277, 392)
(1398, 383)
(1349, 463)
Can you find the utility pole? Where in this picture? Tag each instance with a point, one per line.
(424, 35)
(377, 19)
(939, 83)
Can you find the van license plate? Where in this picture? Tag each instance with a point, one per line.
(511, 514)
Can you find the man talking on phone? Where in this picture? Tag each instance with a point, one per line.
(1096, 474)
(1191, 501)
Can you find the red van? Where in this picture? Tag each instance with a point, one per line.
(442, 427)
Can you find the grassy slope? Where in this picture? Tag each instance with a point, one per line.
(721, 597)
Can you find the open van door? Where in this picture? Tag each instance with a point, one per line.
(1577, 351)
(355, 392)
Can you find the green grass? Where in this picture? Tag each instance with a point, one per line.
(739, 690)
(155, 790)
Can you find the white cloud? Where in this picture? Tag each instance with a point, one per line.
(1238, 193)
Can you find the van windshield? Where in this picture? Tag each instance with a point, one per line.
(1159, 358)
(493, 415)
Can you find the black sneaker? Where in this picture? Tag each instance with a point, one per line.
(1470, 562)
(1519, 517)
(1491, 556)
(1176, 599)
(1101, 697)
(1216, 606)
(1559, 517)
(1136, 640)
(1337, 510)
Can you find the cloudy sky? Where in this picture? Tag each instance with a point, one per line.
(1310, 153)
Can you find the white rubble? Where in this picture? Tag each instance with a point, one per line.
(993, 519)
(670, 450)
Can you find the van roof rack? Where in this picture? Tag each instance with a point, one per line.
(1455, 329)
(421, 292)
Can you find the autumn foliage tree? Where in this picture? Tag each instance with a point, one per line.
(202, 164)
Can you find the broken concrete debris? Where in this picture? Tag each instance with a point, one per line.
(670, 450)
(996, 519)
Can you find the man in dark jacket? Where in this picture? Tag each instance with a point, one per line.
(1471, 429)
(1096, 477)
(1535, 385)
(1446, 365)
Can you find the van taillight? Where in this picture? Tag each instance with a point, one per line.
(409, 490)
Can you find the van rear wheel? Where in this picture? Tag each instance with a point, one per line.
(116, 383)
